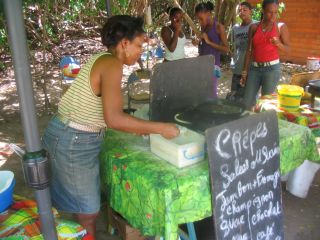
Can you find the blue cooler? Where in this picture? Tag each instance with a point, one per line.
(7, 183)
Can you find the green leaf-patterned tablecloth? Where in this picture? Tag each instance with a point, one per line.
(156, 197)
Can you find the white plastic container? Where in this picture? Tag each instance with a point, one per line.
(313, 63)
(300, 179)
(182, 151)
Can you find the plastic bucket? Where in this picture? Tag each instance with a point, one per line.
(300, 179)
(313, 63)
(7, 183)
(289, 97)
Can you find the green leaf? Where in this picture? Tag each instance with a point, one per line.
(123, 3)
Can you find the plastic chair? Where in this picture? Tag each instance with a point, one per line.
(132, 79)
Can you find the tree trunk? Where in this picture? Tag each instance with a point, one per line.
(226, 10)
(217, 7)
(45, 39)
(231, 12)
(222, 12)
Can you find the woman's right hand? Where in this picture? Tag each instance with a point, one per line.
(169, 130)
(177, 24)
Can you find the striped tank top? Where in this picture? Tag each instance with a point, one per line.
(79, 104)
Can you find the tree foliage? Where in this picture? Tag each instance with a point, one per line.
(50, 22)
(258, 10)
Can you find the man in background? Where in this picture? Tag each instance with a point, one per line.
(239, 38)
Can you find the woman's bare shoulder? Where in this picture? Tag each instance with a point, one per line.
(254, 26)
(108, 59)
(282, 25)
(107, 63)
(220, 27)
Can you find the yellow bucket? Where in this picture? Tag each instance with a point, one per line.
(289, 97)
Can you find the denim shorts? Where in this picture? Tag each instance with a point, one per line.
(265, 77)
(74, 162)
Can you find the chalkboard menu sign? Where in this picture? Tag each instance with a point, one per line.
(244, 158)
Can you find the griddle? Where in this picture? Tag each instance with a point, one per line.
(210, 114)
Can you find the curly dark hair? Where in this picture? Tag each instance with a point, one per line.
(246, 4)
(172, 11)
(204, 7)
(267, 2)
(121, 27)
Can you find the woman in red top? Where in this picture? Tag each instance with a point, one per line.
(266, 38)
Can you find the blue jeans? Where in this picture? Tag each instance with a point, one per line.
(74, 161)
(265, 77)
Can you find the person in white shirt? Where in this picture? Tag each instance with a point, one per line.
(173, 36)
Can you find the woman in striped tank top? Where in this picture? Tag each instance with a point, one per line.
(93, 102)
(265, 41)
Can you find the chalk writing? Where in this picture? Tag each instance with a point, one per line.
(266, 234)
(259, 201)
(239, 140)
(260, 215)
(231, 223)
(226, 200)
(226, 134)
(240, 237)
(244, 163)
(238, 170)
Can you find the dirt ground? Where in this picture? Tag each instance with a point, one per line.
(302, 216)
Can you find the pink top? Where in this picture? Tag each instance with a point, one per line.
(263, 49)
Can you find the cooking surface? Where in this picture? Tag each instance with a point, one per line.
(210, 114)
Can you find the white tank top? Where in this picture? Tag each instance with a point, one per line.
(178, 53)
